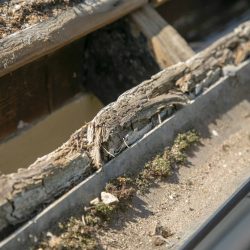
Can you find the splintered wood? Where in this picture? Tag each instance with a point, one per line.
(167, 45)
(118, 126)
(136, 111)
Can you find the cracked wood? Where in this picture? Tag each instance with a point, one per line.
(166, 44)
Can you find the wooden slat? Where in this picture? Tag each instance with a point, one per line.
(167, 45)
(40, 87)
(27, 45)
(23, 96)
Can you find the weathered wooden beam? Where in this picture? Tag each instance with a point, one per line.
(38, 88)
(167, 45)
(27, 45)
(118, 126)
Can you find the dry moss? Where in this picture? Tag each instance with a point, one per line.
(74, 235)
(122, 187)
(161, 166)
(81, 234)
(182, 142)
(103, 211)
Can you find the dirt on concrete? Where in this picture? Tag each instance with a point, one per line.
(214, 171)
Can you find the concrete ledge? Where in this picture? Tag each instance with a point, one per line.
(220, 97)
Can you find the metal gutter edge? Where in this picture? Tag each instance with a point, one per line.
(217, 217)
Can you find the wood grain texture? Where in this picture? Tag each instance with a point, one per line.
(23, 96)
(27, 45)
(118, 126)
(40, 87)
(139, 108)
(167, 46)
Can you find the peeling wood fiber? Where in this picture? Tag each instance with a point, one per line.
(140, 107)
(118, 126)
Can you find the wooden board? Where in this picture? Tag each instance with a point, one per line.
(27, 45)
(23, 96)
(166, 44)
(111, 56)
(38, 88)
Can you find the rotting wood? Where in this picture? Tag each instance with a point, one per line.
(111, 55)
(165, 42)
(137, 109)
(39, 88)
(27, 45)
(127, 120)
(44, 180)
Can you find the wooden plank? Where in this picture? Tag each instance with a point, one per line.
(165, 42)
(40, 87)
(27, 45)
(23, 96)
(64, 69)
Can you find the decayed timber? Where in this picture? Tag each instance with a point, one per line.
(118, 126)
(165, 42)
(136, 111)
(27, 45)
